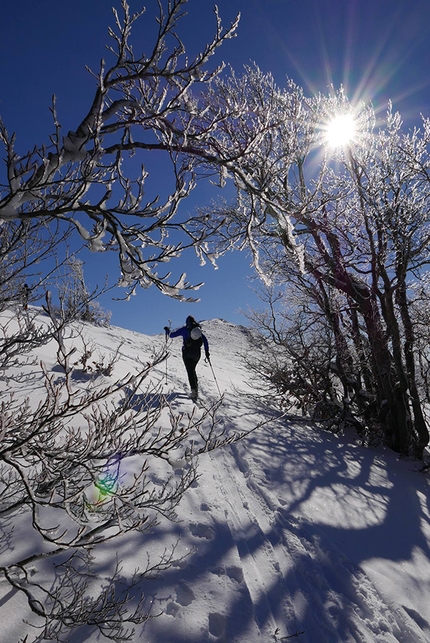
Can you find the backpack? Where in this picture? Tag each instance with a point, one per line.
(194, 337)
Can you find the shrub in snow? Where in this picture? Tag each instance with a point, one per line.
(85, 464)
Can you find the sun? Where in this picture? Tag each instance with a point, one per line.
(340, 130)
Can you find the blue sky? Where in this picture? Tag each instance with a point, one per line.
(378, 50)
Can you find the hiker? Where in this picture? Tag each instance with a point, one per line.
(193, 339)
(25, 296)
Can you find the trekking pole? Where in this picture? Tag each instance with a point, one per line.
(213, 373)
(166, 337)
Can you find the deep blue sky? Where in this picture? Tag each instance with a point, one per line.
(378, 49)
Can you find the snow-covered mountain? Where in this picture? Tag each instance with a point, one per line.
(290, 533)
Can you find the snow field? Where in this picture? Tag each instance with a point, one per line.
(289, 532)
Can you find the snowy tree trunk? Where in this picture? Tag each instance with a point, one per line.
(409, 352)
(392, 406)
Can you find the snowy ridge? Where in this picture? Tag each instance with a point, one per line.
(291, 532)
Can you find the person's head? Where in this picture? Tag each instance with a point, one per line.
(190, 321)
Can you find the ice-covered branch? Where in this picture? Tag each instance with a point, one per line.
(141, 103)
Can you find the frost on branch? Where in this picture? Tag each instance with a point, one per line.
(142, 103)
(349, 229)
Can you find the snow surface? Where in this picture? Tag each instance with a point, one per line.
(291, 532)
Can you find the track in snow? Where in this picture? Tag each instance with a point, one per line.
(263, 573)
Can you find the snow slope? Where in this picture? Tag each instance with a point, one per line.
(291, 532)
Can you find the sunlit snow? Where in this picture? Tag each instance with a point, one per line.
(292, 531)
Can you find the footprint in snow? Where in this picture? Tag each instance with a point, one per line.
(233, 571)
(172, 608)
(156, 480)
(184, 595)
(216, 624)
(201, 531)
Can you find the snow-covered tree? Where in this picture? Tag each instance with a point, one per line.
(142, 103)
(76, 301)
(25, 247)
(60, 459)
(348, 225)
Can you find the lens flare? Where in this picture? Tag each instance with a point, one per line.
(107, 485)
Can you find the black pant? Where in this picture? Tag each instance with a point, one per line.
(190, 365)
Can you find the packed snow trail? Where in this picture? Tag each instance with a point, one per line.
(267, 570)
(288, 531)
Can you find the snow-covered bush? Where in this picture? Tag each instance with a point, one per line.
(62, 457)
(85, 461)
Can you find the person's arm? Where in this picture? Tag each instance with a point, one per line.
(179, 332)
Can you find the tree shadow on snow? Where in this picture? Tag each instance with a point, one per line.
(298, 568)
(378, 514)
(316, 583)
(152, 400)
